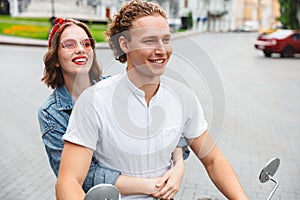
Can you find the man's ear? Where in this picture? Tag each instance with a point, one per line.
(123, 44)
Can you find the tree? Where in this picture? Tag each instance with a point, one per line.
(288, 14)
(190, 20)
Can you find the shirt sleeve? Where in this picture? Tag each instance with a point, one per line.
(52, 134)
(83, 128)
(97, 174)
(195, 123)
(185, 147)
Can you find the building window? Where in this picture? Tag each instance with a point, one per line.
(186, 3)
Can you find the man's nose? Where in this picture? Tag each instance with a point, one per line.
(160, 47)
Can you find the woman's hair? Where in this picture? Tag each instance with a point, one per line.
(122, 23)
(52, 74)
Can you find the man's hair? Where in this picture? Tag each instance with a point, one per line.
(122, 23)
(52, 74)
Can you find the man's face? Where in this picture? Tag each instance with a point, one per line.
(149, 47)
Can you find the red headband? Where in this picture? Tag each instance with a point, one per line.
(58, 22)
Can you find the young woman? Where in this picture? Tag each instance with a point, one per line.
(70, 67)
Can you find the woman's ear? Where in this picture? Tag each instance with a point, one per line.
(123, 44)
(57, 64)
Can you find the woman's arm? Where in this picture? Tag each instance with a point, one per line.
(173, 178)
(164, 187)
(128, 185)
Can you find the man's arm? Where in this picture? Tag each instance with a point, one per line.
(75, 163)
(218, 167)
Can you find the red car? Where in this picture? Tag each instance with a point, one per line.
(285, 42)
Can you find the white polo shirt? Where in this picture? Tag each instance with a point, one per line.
(113, 119)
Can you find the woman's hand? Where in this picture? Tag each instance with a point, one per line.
(168, 185)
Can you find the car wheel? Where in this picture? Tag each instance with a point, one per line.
(267, 53)
(287, 52)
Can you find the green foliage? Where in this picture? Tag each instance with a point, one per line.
(38, 28)
(288, 14)
(190, 20)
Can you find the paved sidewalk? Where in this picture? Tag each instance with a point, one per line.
(19, 41)
(10, 40)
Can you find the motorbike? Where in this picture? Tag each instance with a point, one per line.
(103, 192)
(110, 192)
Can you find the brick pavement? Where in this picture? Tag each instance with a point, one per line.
(262, 115)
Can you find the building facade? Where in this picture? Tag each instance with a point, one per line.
(265, 12)
(207, 15)
(13, 7)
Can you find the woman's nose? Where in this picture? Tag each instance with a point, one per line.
(79, 47)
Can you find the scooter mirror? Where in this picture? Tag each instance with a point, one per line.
(103, 192)
(269, 170)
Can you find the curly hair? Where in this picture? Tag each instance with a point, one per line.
(122, 23)
(53, 76)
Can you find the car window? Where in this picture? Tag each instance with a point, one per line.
(280, 34)
(296, 36)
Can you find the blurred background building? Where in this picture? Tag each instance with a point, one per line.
(259, 12)
(200, 15)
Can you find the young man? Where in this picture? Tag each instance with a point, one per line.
(133, 121)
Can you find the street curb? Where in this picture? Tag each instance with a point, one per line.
(11, 43)
(18, 41)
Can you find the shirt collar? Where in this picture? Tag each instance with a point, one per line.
(63, 98)
(133, 89)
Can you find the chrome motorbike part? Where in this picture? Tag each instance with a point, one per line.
(268, 172)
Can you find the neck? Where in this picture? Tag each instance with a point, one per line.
(77, 84)
(148, 84)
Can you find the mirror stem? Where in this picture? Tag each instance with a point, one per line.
(274, 188)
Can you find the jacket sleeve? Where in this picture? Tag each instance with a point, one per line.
(52, 133)
(185, 147)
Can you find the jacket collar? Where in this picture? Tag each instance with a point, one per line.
(63, 98)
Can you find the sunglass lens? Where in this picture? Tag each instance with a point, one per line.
(70, 43)
(87, 43)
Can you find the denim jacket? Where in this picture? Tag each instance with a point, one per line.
(53, 116)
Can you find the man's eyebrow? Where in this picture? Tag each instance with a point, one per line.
(155, 36)
(148, 36)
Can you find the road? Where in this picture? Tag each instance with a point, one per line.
(251, 102)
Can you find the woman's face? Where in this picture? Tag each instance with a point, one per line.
(75, 54)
